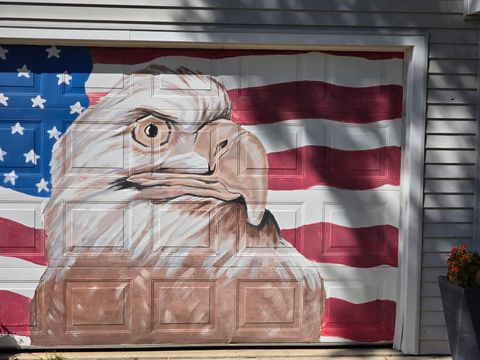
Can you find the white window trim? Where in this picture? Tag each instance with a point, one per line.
(415, 47)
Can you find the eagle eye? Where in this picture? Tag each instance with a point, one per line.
(151, 131)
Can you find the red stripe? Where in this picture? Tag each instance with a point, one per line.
(315, 99)
(22, 242)
(95, 97)
(14, 313)
(367, 322)
(356, 247)
(304, 167)
(140, 55)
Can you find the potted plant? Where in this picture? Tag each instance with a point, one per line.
(460, 292)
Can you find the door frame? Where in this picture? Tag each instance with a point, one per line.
(415, 48)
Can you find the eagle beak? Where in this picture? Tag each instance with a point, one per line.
(231, 172)
(239, 161)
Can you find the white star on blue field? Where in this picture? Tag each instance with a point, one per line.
(42, 91)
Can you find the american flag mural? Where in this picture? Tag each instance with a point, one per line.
(331, 126)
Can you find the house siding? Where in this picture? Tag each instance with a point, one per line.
(449, 187)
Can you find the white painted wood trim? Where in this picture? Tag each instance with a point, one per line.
(410, 249)
(471, 7)
(415, 47)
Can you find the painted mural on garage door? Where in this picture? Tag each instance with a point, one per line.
(184, 196)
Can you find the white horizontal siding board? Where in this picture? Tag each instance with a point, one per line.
(451, 142)
(452, 96)
(240, 16)
(452, 66)
(464, 67)
(450, 201)
(434, 347)
(432, 318)
(434, 332)
(432, 274)
(450, 171)
(453, 51)
(434, 259)
(451, 127)
(447, 230)
(453, 36)
(431, 303)
(447, 216)
(434, 156)
(449, 186)
(430, 288)
(452, 81)
(428, 6)
(443, 244)
(451, 112)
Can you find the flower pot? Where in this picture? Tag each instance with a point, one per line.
(462, 316)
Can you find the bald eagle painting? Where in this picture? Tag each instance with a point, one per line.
(158, 226)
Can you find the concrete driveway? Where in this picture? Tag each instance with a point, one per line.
(230, 354)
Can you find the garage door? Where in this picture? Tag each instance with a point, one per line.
(153, 196)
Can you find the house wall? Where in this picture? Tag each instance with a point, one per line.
(451, 102)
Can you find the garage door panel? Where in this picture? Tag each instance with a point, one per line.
(22, 235)
(98, 306)
(103, 82)
(119, 151)
(256, 312)
(276, 306)
(371, 322)
(360, 305)
(30, 132)
(113, 236)
(201, 237)
(85, 237)
(185, 306)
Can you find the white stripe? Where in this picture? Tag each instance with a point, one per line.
(7, 342)
(335, 339)
(339, 340)
(10, 262)
(19, 276)
(13, 195)
(292, 134)
(21, 208)
(359, 285)
(258, 70)
(351, 208)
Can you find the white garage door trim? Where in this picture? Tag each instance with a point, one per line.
(416, 55)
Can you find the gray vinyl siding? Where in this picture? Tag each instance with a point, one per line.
(452, 89)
